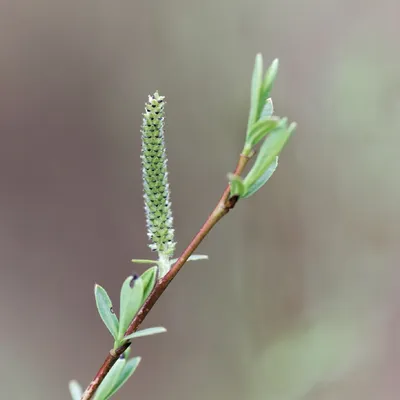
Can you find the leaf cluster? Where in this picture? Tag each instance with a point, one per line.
(263, 127)
(134, 292)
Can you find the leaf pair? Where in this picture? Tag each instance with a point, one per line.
(120, 372)
(134, 292)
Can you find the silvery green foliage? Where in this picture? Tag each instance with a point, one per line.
(145, 332)
(155, 181)
(133, 294)
(106, 311)
(262, 125)
(120, 372)
(131, 298)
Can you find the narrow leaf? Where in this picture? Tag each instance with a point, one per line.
(269, 78)
(105, 309)
(145, 332)
(110, 380)
(144, 261)
(266, 86)
(75, 389)
(260, 129)
(197, 257)
(272, 146)
(256, 84)
(149, 278)
(130, 301)
(262, 180)
(126, 373)
(193, 257)
(237, 187)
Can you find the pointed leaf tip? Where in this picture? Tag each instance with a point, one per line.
(256, 84)
(292, 127)
(269, 78)
(268, 109)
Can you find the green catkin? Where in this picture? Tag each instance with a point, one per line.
(155, 183)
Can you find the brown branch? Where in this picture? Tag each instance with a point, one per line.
(224, 205)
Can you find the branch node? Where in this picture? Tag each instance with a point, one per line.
(113, 353)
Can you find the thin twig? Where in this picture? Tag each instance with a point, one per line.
(225, 204)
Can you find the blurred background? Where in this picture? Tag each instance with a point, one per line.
(300, 298)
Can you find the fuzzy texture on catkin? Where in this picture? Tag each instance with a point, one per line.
(155, 179)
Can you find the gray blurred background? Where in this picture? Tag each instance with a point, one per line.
(300, 298)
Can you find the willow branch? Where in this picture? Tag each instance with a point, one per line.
(224, 205)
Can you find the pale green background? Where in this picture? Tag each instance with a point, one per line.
(300, 298)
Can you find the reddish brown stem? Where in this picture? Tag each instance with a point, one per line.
(225, 204)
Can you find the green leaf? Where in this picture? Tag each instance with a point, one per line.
(262, 180)
(144, 261)
(105, 309)
(261, 106)
(260, 129)
(269, 78)
(107, 386)
(145, 332)
(149, 278)
(272, 146)
(130, 301)
(75, 389)
(268, 109)
(266, 86)
(193, 257)
(256, 83)
(197, 257)
(126, 373)
(237, 187)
